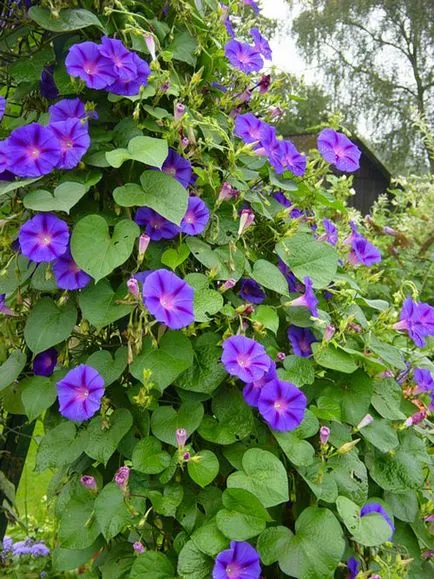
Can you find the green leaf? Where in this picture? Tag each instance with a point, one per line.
(299, 371)
(193, 564)
(8, 187)
(272, 544)
(148, 456)
(112, 514)
(380, 433)
(243, 517)
(183, 47)
(263, 475)
(38, 393)
(117, 561)
(64, 197)
(203, 468)
(117, 157)
(96, 251)
(12, 368)
(48, 325)
(404, 506)
(206, 301)
(58, 447)
(165, 421)
(208, 539)
(370, 530)
(105, 434)
(333, 357)
(70, 559)
(299, 452)
(284, 184)
(321, 482)
(316, 548)
(29, 68)
(269, 276)
(98, 303)
(307, 256)
(166, 504)
(388, 353)
(109, 368)
(65, 21)
(172, 357)
(387, 398)
(350, 475)
(152, 565)
(267, 316)
(227, 264)
(173, 258)
(78, 527)
(231, 418)
(148, 150)
(355, 393)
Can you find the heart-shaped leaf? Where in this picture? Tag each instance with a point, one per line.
(11, 369)
(269, 276)
(165, 420)
(64, 197)
(370, 530)
(207, 301)
(148, 150)
(47, 324)
(105, 435)
(109, 368)
(148, 456)
(38, 394)
(96, 251)
(243, 517)
(203, 468)
(98, 303)
(111, 512)
(174, 257)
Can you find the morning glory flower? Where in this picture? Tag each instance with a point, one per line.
(74, 142)
(293, 284)
(243, 56)
(301, 341)
(4, 158)
(353, 567)
(155, 225)
(331, 232)
(68, 275)
(2, 107)
(120, 57)
(240, 561)
(291, 159)
(196, 217)
(282, 405)
(261, 44)
(45, 362)
(67, 109)
(80, 393)
(178, 167)
(417, 319)
(47, 86)
(337, 149)
(132, 86)
(251, 291)
(281, 198)
(424, 380)
(85, 61)
(248, 128)
(363, 252)
(370, 508)
(270, 146)
(43, 237)
(308, 299)
(245, 358)
(34, 149)
(169, 299)
(252, 390)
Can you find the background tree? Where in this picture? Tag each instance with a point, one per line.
(377, 64)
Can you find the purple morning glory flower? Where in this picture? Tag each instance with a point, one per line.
(67, 109)
(47, 86)
(271, 147)
(34, 149)
(74, 142)
(353, 235)
(331, 232)
(2, 107)
(353, 567)
(80, 393)
(417, 319)
(243, 56)
(45, 362)
(4, 309)
(178, 167)
(43, 237)
(251, 291)
(4, 160)
(245, 358)
(240, 561)
(254, 5)
(337, 149)
(281, 198)
(39, 549)
(293, 284)
(248, 128)
(68, 275)
(261, 44)
(140, 276)
(196, 217)
(282, 405)
(424, 380)
(252, 390)
(155, 225)
(364, 252)
(308, 299)
(120, 57)
(301, 341)
(86, 61)
(291, 159)
(377, 508)
(169, 299)
(132, 87)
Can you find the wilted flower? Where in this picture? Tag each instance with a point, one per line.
(243, 56)
(301, 341)
(308, 299)
(178, 167)
(226, 191)
(181, 437)
(251, 291)
(74, 142)
(247, 217)
(86, 61)
(68, 275)
(324, 434)
(121, 476)
(196, 217)
(240, 561)
(416, 418)
(282, 405)
(80, 393)
(169, 299)
(89, 482)
(47, 86)
(245, 358)
(337, 149)
(252, 390)
(133, 287)
(370, 508)
(45, 362)
(184, 142)
(34, 149)
(364, 252)
(229, 284)
(417, 318)
(138, 547)
(260, 43)
(179, 111)
(424, 380)
(186, 456)
(156, 226)
(280, 356)
(329, 332)
(366, 420)
(44, 237)
(275, 112)
(264, 83)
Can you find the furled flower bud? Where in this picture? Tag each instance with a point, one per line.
(226, 192)
(389, 231)
(415, 418)
(329, 332)
(138, 547)
(179, 111)
(89, 482)
(275, 112)
(280, 356)
(264, 83)
(165, 86)
(133, 287)
(229, 284)
(247, 217)
(121, 476)
(143, 245)
(184, 142)
(181, 437)
(366, 420)
(348, 446)
(150, 44)
(324, 433)
(186, 456)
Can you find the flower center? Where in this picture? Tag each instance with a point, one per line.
(166, 302)
(67, 143)
(89, 68)
(280, 406)
(233, 570)
(243, 360)
(83, 393)
(189, 217)
(44, 239)
(35, 153)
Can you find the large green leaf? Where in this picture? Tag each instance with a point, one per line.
(263, 475)
(146, 150)
(387, 398)
(152, 565)
(299, 371)
(11, 369)
(111, 512)
(148, 456)
(269, 276)
(48, 324)
(272, 544)
(307, 256)
(65, 20)
(226, 263)
(105, 434)
(300, 452)
(109, 368)
(78, 527)
(96, 251)
(165, 420)
(243, 517)
(58, 447)
(8, 187)
(38, 393)
(193, 564)
(334, 358)
(209, 539)
(370, 530)
(316, 548)
(381, 434)
(321, 482)
(99, 303)
(63, 198)
(172, 357)
(203, 467)
(350, 475)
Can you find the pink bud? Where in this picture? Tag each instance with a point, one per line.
(121, 476)
(355, 327)
(138, 547)
(89, 482)
(133, 287)
(329, 333)
(366, 420)
(179, 111)
(226, 192)
(264, 83)
(247, 217)
(186, 456)
(275, 112)
(150, 44)
(143, 245)
(229, 284)
(389, 231)
(415, 418)
(165, 86)
(184, 142)
(181, 437)
(324, 433)
(245, 96)
(280, 356)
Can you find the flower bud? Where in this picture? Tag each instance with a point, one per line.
(229, 284)
(186, 456)
(133, 287)
(386, 374)
(181, 437)
(184, 142)
(150, 44)
(89, 482)
(247, 217)
(264, 83)
(275, 112)
(138, 547)
(179, 111)
(226, 192)
(324, 433)
(329, 332)
(366, 420)
(389, 231)
(415, 418)
(121, 477)
(348, 446)
(143, 245)
(280, 356)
